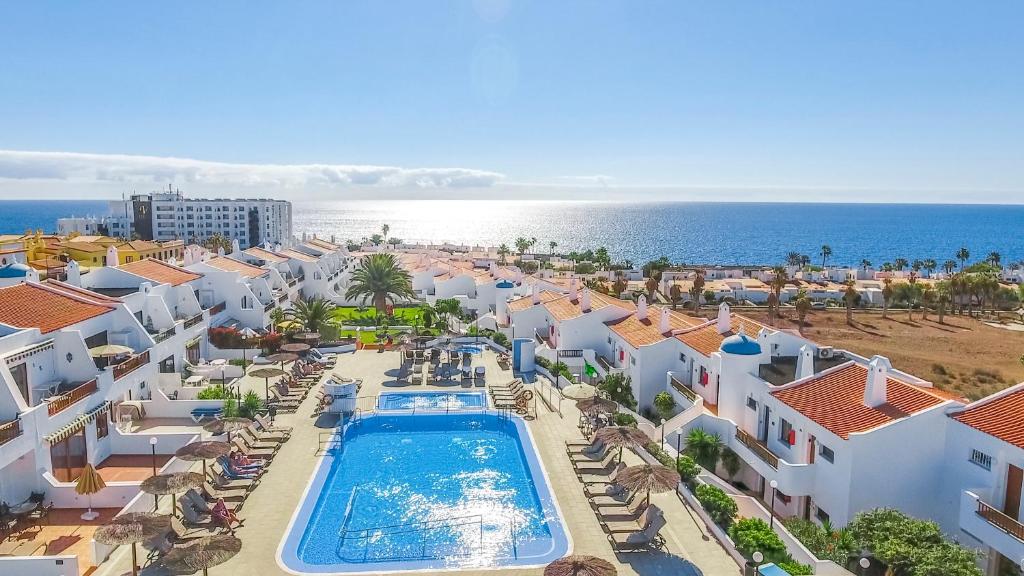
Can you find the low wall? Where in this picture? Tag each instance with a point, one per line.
(160, 406)
(39, 565)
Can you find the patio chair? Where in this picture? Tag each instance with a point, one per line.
(251, 453)
(637, 525)
(202, 505)
(622, 498)
(649, 537)
(257, 432)
(607, 462)
(264, 424)
(630, 510)
(583, 446)
(257, 443)
(213, 493)
(598, 489)
(222, 482)
(599, 479)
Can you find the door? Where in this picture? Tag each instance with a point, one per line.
(763, 433)
(810, 449)
(68, 457)
(20, 373)
(1011, 504)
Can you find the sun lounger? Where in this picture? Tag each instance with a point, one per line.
(625, 511)
(584, 457)
(632, 525)
(647, 538)
(593, 466)
(202, 505)
(599, 479)
(191, 517)
(213, 493)
(264, 423)
(256, 443)
(251, 453)
(216, 475)
(623, 498)
(583, 447)
(596, 490)
(259, 434)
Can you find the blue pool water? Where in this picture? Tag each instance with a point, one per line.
(430, 400)
(427, 492)
(470, 349)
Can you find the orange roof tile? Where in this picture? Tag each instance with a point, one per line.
(232, 265)
(159, 271)
(324, 244)
(527, 301)
(265, 255)
(297, 255)
(30, 305)
(565, 309)
(835, 400)
(707, 339)
(1002, 417)
(140, 245)
(637, 332)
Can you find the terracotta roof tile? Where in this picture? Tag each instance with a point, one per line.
(232, 265)
(29, 305)
(637, 332)
(835, 400)
(707, 339)
(324, 244)
(266, 255)
(527, 301)
(1002, 417)
(297, 255)
(159, 271)
(73, 290)
(565, 309)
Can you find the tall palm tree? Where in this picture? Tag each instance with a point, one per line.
(216, 241)
(887, 293)
(384, 229)
(949, 266)
(930, 265)
(900, 264)
(522, 245)
(704, 447)
(994, 258)
(503, 252)
(928, 296)
(675, 294)
(696, 291)
(551, 246)
(312, 314)
(942, 299)
(910, 294)
(865, 264)
(778, 283)
(826, 251)
(803, 306)
(652, 286)
(380, 279)
(805, 260)
(793, 259)
(917, 265)
(850, 298)
(963, 254)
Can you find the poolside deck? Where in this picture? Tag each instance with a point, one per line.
(130, 467)
(62, 533)
(688, 551)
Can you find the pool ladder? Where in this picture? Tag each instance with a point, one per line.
(367, 536)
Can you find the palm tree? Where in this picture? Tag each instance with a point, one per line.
(551, 246)
(381, 279)
(376, 239)
(865, 264)
(930, 265)
(805, 260)
(522, 245)
(652, 286)
(900, 264)
(696, 290)
(778, 283)
(793, 259)
(887, 293)
(910, 294)
(217, 241)
(942, 299)
(826, 251)
(313, 314)
(675, 294)
(803, 306)
(440, 314)
(850, 298)
(928, 297)
(704, 447)
(384, 229)
(916, 265)
(994, 258)
(963, 254)
(503, 252)
(949, 266)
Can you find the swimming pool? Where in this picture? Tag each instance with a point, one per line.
(470, 348)
(426, 492)
(430, 400)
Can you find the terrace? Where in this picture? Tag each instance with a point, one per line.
(782, 369)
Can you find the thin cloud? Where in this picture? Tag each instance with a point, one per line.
(592, 179)
(120, 168)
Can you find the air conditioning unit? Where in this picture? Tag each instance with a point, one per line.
(825, 352)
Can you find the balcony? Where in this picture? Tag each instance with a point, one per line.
(683, 389)
(1000, 520)
(161, 336)
(992, 526)
(218, 308)
(759, 449)
(292, 282)
(9, 431)
(282, 298)
(60, 403)
(193, 321)
(269, 306)
(132, 364)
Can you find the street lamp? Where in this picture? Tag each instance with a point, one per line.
(152, 448)
(771, 521)
(757, 557)
(864, 565)
(663, 431)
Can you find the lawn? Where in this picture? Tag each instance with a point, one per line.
(367, 336)
(351, 314)
(963, 355)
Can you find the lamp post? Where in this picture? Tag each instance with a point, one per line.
(771, 513)
(757, 557)
(152, 448)
(679, 454)
(865, 564)
(663, 431)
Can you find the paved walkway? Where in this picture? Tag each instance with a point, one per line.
(268, 510)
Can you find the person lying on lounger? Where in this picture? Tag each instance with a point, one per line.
(224, 517)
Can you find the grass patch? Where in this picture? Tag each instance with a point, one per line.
(352, 315)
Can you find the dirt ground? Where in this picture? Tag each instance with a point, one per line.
(963, 355)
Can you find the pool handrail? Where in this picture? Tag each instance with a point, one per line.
(367, 533)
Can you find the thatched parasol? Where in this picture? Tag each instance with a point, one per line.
(201, 554)
(596, 405)
(580, 565)
(294, 347)
(173, 483)
(649, 478)
(132, 528)
(620, 437)
(109, 351)
(267, 374)
(89, 483)
(227, 425)
(204, 450)
(283, 357)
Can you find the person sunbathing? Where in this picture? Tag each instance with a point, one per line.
(242, 462)
(224, 517)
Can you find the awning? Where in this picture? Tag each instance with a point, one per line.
(72, 428)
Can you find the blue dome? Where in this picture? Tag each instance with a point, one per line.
(505, 284)
(741, 345)
(16, 270)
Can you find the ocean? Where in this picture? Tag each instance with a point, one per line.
(692, 232)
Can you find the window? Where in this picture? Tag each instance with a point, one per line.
(826, 453)
(784, 498)
(751, 403)
(821, 515)
(246, 303)
(786, 433)
(682, 358)
(101, 426)
(632, 360)
(981, 459)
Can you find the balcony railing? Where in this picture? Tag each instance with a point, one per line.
(683, 389)
(9, 431)
(218, 308)
(161, 336)
(61, 402)
(1000, 520)
(282, 298)
(292, 282)
(130, 365)
(757, 448)
(605, 363)
(193, 321)
(570, 353)
(269, 306)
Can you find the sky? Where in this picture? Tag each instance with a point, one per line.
(891, 101)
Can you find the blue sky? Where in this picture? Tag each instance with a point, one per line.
(822, 100)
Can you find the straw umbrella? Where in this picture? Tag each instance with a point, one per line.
(283, 357)
(132, 528)
(227, 425)
(109, 351)
(203, 451)
(172, 484)
(596, 405)
(295, 347)
(267, 374)
(648, 477)
(620, 437)
(580, 565)
(202, 554)
(89, 483)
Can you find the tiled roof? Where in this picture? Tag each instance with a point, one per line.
(84, 246)
(1002, 417)
(30, 305)
(637, 332)
(265, 255)
(73, 290)
(159, 271)
(140, 245)
(232, 265)
(527, 301)
(566, 309)
(297, 255)
(707, 339)
(324, 244)
(835, 400)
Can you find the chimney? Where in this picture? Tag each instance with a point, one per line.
(724, 318)
(876, 390)
(805, 362)
(220, 250)
(111, 256)
(235, 246)
(575, 292)
(641, 307)
(536, 293)
(664, 326)
(73, 273)
(585, 300)
(188, 259)
(572, 284)
(493, 269)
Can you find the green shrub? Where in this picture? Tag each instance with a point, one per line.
(824, 543)
(719, 506)
(659, 454)
(688, 469)
(619, 388)
(252, 403)
(625, 419)
(753, 534)
(500, 339)
(664, 404)
(218, 392)
(795, 568)
(543, 363)
(911, 546)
